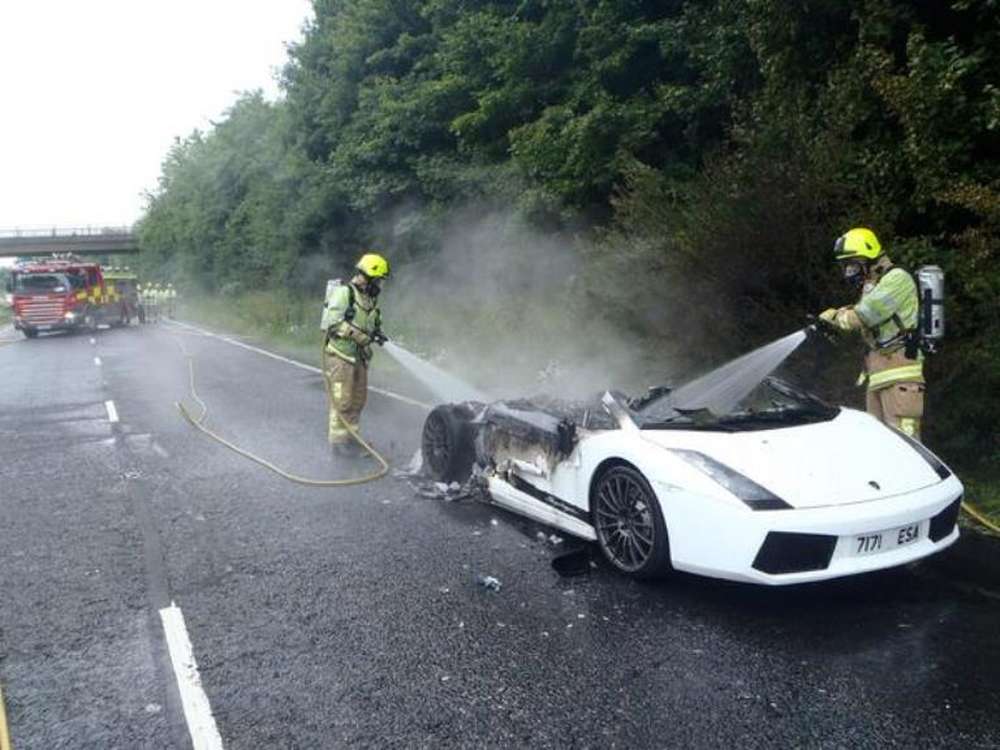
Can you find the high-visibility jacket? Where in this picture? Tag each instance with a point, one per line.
(349, 309)
(888, 311)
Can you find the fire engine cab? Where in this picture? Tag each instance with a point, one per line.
(61, 293)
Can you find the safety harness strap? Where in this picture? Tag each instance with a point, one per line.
(902, 330)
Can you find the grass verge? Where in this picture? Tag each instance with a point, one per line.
(284, 324)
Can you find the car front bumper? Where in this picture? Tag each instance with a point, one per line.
(710, 537)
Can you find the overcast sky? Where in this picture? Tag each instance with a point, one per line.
(93, 93)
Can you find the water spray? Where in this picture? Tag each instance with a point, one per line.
(445, 387)
(723, 388)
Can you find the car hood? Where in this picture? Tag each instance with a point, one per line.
(852, 458)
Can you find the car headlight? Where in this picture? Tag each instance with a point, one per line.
(70, 316)
(747, 490)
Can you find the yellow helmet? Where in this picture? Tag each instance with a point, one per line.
(373, 266)
(857, 244)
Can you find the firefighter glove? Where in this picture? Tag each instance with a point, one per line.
(379, 338)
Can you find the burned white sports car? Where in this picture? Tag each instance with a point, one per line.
(778, 488)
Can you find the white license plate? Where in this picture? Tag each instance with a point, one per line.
(883, 541)
(44, 328)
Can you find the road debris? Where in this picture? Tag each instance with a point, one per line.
(554, 539)
(489, 583)
(449, 492)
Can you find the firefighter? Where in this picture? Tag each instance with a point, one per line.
(147, 309)
(355, 324)
(171, 295)
(887, 317)
(154, 302)
(140, 302)
(161, 301)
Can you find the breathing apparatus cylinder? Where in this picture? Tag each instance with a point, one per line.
(930, 286)
(327, 319)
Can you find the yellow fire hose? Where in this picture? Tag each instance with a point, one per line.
(199, 424)
(972, 511)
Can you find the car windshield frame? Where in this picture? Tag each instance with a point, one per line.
(791, 405)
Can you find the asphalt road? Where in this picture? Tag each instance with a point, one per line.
(351, 617)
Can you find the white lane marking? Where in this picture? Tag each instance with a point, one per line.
(97, 361)
(398, 397)
(197, 710)
(160, 451)
(112, 411)
(300, 365)
(93, 341)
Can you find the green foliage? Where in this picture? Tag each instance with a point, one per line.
(705, 154)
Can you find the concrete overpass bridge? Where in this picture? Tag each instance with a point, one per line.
(25, 243)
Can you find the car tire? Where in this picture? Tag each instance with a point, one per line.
(29, 333)
(630, 528)
(448, 443)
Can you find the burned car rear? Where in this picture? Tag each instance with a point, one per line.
(458, 437)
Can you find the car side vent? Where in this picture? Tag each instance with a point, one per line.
(944, 522)
(785, 552)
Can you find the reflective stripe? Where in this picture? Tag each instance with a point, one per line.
(891, 307)
(895, 375)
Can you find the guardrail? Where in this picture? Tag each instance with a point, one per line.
(64, 232)
(24, 243)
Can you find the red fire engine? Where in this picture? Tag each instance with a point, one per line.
(62, 293)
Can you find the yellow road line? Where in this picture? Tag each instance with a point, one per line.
(4, 733)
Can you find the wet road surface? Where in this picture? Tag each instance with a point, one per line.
(351, 617)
